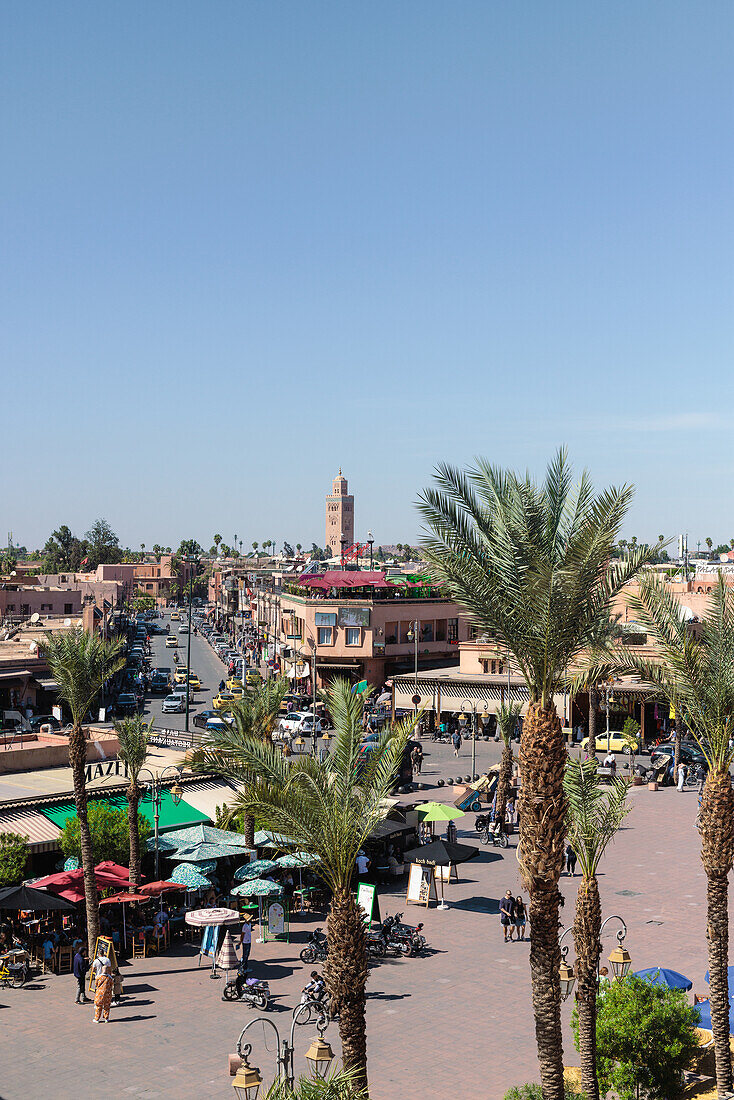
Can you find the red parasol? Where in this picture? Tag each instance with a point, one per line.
(123, 899)
(152, 889)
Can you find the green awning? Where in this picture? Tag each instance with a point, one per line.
(171, 816)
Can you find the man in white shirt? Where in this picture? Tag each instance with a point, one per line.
(363, 865)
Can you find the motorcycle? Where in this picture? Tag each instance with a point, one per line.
(317, 948)
(490, 832)
(252, 992)
(406, 938)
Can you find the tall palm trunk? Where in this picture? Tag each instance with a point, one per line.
(346, 975)
(77, 763)
(586, 931)
(593, 711)
(248, 829)
(542, 811)
(504, 780)
(717, 849)
(678, 736)
(133, 795)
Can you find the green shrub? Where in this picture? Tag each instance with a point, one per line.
(645, 1036)
(109, 831)
(13, 858)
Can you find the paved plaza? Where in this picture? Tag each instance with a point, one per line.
(459, 1019)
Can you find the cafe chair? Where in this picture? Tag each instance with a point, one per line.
(139, 945)
(65, 960)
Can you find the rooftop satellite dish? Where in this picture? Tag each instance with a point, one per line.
(67, 622)
(80, 622)
(33, 647)
(13, 573)
(35, 618)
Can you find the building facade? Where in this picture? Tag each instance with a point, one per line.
(339, 516)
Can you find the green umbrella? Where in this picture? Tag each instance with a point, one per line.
(198, 834)
(255, 869)
(297, 860)
(258, 888)
(197, 853)
(203, 866)
(437, 811)
(189, 875)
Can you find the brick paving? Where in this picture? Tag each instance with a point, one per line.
(457, 1023)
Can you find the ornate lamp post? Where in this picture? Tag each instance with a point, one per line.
(620, 959)
(247, 1078)
(156, 789)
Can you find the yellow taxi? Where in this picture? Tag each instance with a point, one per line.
(252, 676)
(171, 642)
(179, 676)
(238, 691)
(233, 682)
(194, 681)
(617, 743)
(175, 617)
(223, 700)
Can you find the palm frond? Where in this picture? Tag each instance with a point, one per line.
(595, 813)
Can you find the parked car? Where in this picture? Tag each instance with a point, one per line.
(616, 743)
(690, 753)
(298, 723)
(127, 703)
(39, 720)
(253, 677)
(223, 700)
(173, 704)
(203, 717)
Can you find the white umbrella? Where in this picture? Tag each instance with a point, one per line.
(227, 959)
(212, 918)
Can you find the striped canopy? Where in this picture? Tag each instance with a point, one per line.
(255, 869)
(189, 875)
(257, 888)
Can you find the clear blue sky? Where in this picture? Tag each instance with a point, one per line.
(247, 242)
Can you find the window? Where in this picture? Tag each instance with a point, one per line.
(24, 608)
(453, 630)
(68, 608)
(440, 630)
(63, 579)
(427, 632)
(354, 635)
(149, 586)
(47, 607)
(324, 635)
(11, 607)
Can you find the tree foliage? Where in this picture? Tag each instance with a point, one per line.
(109, 831)
(14, 855)
(341, 1085)
(645, 1039)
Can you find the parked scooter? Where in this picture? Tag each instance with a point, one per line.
(251, 991)
(407, 936)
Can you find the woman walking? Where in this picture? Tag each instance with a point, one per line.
(102, 989)
(521, 914)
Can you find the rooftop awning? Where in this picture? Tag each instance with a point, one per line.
(43, 835)
(13, 674)
(207, 795)
(171, 815)
(47, 683)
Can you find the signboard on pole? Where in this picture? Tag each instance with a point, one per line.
(368, 902)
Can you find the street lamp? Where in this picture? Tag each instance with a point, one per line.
(413, 636)
(484, 719)
(155, 798)
(192, 561)
(473, 708)
(370, 543)
(620, 959)
(319, 1056)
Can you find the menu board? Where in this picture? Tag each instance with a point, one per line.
(103, 946)
(368, 902)
(421, 885)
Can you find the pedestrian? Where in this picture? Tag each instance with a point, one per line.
(570, 860)
(245, 941)
(457, 742)
(363, 865)
(102, 970)
(507, 905)
(510, 812)
(521, 915)
(80, 967)
(681, 776)
(416, 758)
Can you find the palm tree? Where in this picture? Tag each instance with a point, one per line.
(217, 540)
(709, 543)
(337, 1086)
(594, 816)
(507, 717)
(254, 547)
(133, 734)
(695, 673)
(532, 566)
(329, 809)
(81, 663)
(255, 716)
(299, 547)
